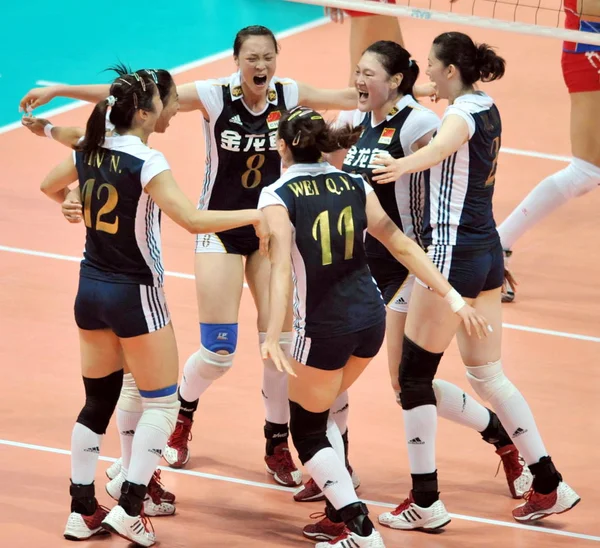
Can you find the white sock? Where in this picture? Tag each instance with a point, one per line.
(331, 475)
(517, 418)
(275, 385)
(339, 411)
(127, 422)
(420, 427)
(335, 438)
(456, 405)
(578, 178)
(510, 406)
(129, 412)
(156, 425)
(85, 450)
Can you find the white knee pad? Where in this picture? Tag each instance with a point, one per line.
(489, 382)
(130, 399)
(577, 179)
(210, 365)
(160, 413)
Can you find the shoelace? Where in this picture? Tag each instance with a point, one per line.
(182, 434)
(402, 507)
(513, 467)
(283, 459)
(317, 515)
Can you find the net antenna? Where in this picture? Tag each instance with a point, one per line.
(518, 9)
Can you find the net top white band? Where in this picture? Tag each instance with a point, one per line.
(395, 10)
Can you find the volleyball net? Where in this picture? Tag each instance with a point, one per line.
(533, 17)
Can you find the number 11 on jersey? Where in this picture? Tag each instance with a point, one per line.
(345, 227)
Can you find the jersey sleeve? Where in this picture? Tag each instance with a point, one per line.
(368, 188)
(464, 114)
(290, 92)
(210, 92)
(418, 124)
(155, 164)
(269, 197)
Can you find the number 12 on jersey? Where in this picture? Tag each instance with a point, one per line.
(345, 227)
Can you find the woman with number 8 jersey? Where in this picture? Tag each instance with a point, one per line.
(241, 115)
(462, 241)
(120, 307)
(319, 215)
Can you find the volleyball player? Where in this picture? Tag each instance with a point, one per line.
(463, 242)
(158, 502)
(241, 114)
(581, 73)
(120, 308)
(318, 216)
(395, 123)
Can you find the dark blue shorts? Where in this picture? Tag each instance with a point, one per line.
(129, 310)
(470, 271)
(332, 353)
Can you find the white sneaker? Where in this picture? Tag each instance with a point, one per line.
(114, 469)
(133, 528)
(348, 539)
(153, 508)
(80, 527)
(408, 516)
(538, 506)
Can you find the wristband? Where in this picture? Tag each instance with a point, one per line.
(48, 130)
(454, 299)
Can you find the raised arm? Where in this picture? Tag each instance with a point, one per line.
(453, 133)
(68, 136)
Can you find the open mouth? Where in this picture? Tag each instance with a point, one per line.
(363, 96)
(260, 80)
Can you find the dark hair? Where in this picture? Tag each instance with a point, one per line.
(308, 135)
(161, 77)
(474, 62)
(128, 94)
(253, 30)
(396, 60)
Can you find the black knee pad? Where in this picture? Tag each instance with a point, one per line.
(101, 397)
(309, 431)
(417, 371)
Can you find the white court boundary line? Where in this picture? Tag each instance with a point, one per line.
(272, 487)
(227, 53)
(515, 327)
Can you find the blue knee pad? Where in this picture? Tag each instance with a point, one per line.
(219, 336)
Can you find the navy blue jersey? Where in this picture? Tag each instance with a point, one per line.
(458, 201)
(397, 135)
(334, 292)
(241, 148)
(122, 222)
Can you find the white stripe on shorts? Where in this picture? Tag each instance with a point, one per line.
(300, 347)
(155, 308)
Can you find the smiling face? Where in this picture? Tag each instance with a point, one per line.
(257, 62)
(170, 109)
(374, 85)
